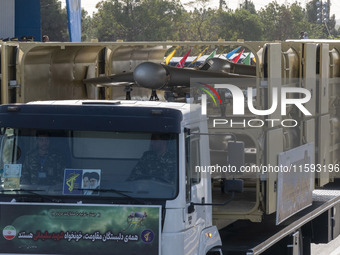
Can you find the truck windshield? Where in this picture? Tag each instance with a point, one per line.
(90, 164)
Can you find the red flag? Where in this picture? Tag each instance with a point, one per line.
(182, 62)
(237, 57)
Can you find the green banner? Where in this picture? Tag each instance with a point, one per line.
(79, 229)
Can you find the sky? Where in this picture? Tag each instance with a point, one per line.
(90, 5)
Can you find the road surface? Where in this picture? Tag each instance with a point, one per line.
(332, 248)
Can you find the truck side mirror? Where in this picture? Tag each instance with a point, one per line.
(234, 185)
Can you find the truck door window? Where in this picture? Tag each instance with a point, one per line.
(192, 158)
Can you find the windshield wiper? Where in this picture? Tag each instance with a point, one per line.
(33, 192)
(119, 192)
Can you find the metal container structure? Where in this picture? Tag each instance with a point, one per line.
(52, 71)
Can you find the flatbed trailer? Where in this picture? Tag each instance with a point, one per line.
(97, 78)
(318, 223)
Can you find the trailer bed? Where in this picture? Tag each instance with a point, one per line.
(245, 237)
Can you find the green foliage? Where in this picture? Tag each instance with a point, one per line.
(311, 11)
(249, 6)
(160, 20)
(86, 27)
(54, 20)
(277, 22)
(133, 20)
(245, 25)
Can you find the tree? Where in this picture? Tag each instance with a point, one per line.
(224, 24)
(311, 11)
(87, 32)
(299, 21)
(203, 25)
(241, 24)
(104, 21)
(145, 20)
(277, 22)
(249, 6)
(158, 20)
(134, 20)
(53, 20)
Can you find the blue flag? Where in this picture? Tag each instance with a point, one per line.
(230, 54)
(74, 19)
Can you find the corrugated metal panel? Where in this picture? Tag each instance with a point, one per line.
(7, 18)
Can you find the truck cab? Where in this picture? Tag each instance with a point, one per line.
(98, 175)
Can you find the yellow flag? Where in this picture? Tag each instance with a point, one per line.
(170, 56)
(199, 55)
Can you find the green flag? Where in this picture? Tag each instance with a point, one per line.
(246, 60)
(212, 54)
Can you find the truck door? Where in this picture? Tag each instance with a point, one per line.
(194, 183)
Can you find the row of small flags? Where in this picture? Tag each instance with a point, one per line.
(246, 60)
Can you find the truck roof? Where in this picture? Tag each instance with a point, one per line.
(105, 115)
(183, 107)
(190, 112)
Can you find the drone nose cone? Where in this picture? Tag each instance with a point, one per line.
(150, 75)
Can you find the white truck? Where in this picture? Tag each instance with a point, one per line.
(148, 214)
(127, 212)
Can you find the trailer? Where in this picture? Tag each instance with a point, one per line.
(254, 149)
(316, 224)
